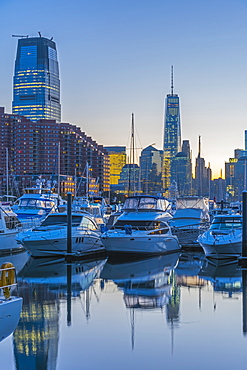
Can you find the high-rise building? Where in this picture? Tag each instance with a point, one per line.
(36, 88)
(150, 167)
(181, 170)
(203, 175)
(117, 155)
(172, 134)
(30, 149)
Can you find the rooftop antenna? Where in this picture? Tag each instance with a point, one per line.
(199, 149)
(39, 34)
(172, 80)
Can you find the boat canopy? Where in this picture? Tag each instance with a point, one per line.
(192, 202)
(145, 203)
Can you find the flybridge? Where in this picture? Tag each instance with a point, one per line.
(145, 203)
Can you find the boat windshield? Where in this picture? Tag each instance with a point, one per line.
(61, 220)
(36, 203)
(145, 203)
(223, 223)
(140, 225)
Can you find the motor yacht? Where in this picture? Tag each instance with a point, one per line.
(224, 237)
(36, 203)
(190, 218)
(50, 238)
(10, 226)
(142, 228)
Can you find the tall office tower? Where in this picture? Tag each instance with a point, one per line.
(117, 156)
(150, 167)
(181, 170)
(203, 175)
(172, 134)
(36, 90)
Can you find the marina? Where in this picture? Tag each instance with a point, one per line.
(78, 300)
(123, 186)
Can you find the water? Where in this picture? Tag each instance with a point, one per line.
(170, 312)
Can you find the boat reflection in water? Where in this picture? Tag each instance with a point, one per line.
(44, 284)
(188, 270)
(146, 284)
(225, 276)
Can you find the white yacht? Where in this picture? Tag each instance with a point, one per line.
(50, 238)
(190, 218)
(37, 202)
(9, 227)
(142, 228)
(224, 237)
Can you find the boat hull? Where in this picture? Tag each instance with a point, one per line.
(10, 311)
(145, 245)
(221, 247)
(8, 242)
(51, 245)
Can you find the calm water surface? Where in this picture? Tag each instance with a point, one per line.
(169, 312)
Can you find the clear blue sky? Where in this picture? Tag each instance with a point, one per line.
(115, 59)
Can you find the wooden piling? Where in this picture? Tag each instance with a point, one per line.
(69, 223)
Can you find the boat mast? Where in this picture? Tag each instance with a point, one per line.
(87, 180)
(58, 169)
(131, 157)
(7, 173)
(133, 150)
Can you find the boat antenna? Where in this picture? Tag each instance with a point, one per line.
(172, 87)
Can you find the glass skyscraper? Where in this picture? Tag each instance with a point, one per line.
(172, 134)
(36, 90)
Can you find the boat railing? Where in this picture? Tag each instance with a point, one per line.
(130, 228)
(29, 224)
(201, 228)
(224, 236)
(59, 228)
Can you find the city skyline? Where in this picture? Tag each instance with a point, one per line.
(115, 59)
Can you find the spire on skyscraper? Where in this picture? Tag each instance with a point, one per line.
(199, 147)
(172, 80)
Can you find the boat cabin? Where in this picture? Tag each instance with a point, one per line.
(41, 203)
(226, 223)
(145, 203)
(78, 220)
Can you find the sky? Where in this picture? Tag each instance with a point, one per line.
(115, 59)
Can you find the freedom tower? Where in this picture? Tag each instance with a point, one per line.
(172, 134)
(36, 88)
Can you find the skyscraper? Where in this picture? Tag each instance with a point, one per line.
(172, 134)
(150, 167)
(36, 90)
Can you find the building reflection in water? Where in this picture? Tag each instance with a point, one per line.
(146, 284)
(42, 284)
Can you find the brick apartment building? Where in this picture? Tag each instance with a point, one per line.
(32, 149)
